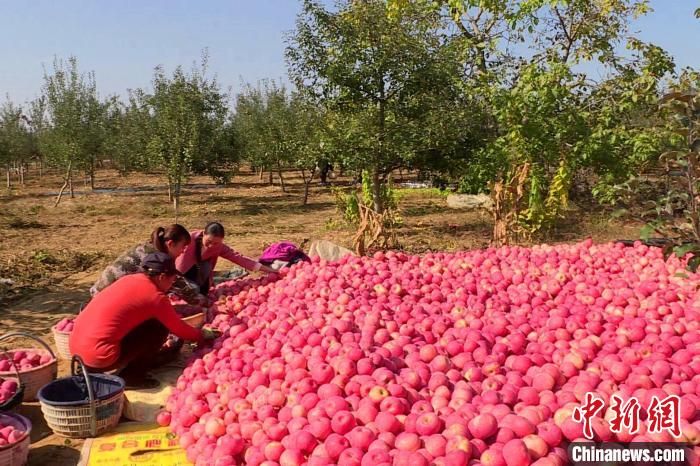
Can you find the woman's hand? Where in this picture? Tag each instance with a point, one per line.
(210, 333)
(266, 269)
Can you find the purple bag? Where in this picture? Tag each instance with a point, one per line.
(283, 251)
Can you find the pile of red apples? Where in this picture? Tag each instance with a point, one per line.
(443, 359)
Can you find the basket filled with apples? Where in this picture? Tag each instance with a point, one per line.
(34, 367)
(61, 334)
(14, 439)
(11, 392)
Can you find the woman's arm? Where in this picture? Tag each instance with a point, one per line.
(239, 259)
(167, 315)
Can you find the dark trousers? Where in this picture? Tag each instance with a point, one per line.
(200, 274)
(139, 349)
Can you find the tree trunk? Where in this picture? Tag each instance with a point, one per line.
(271, 182)
(377, 191)
(9, 180)
(170, 191)
(60, 193)
(21, 174)
(306, 187)
(70, 185)
(261, 173)
(307, 183)
(176, 200)
(376, 182)
(92, 175)
(67, 181)
(279, 173)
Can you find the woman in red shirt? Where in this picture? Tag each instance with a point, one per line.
(125, 325)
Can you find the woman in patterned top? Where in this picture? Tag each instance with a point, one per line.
(171, 240)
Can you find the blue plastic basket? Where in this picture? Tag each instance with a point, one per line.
(84, 405)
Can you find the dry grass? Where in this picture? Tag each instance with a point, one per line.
(66, 246)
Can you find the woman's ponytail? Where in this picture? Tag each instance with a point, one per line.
(174, 232)
(158, 239)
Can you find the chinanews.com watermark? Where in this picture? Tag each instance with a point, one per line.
(625, 420)
(608, 453)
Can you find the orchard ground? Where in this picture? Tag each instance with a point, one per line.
(53, 255)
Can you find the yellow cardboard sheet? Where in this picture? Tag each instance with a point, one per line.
(134, 444)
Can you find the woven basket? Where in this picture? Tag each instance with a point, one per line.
(83, 418)
(195, 320)
(16, 453)
(35, 378)
(61, 339)
(16, 399)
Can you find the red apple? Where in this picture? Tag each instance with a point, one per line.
(407, 441)
(483, 426)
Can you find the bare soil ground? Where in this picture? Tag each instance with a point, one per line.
(54, 254)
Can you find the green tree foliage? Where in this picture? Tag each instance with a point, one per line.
(38, 126)
(248, 122)
(492, 94)
(75, 117)
(264, 126)
(385, 83)
(129, 131)
(307, 146)
(187, 134)
(14, 139)
(546, 118)
(675, 216)
(179, 128)
(275, 129)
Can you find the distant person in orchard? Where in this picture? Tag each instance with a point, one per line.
(171, 240)
(198, 260)
(124, 326)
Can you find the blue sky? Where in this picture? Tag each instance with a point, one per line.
(123, 40)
